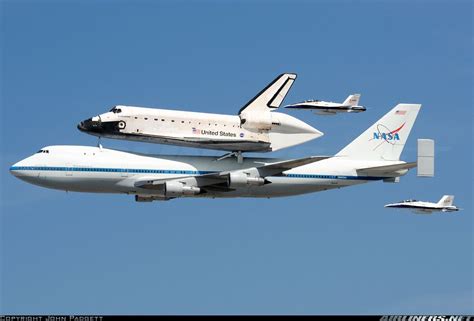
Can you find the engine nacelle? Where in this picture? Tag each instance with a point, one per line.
(139, 198)
(146, 198)
(176, 189)
(256, 121)
(241, 179)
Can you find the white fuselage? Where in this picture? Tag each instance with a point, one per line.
(423, 207)
(326, 107)
(249, 132)
(94, 169)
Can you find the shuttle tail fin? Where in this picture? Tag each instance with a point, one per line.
(386, 138)
(352, 100)
(446, 200)
(271, 96)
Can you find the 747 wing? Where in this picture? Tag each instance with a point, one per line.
(227, 180)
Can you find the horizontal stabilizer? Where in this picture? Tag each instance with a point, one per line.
(279, 167)
(386, 170)
(289, 164)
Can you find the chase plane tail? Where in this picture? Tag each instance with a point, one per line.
(352, 100)
(446, 200)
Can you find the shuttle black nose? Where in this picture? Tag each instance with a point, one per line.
(95, 126)
(90, 125)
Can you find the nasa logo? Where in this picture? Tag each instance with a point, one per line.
(385, 134)
(241, 135)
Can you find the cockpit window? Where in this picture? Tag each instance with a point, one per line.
(43, 151)
(116, 110)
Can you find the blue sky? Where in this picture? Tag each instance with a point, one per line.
(332, 252)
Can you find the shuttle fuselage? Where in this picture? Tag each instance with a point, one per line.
(261, 132)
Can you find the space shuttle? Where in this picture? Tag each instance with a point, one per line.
(320, 107)
(256, 128)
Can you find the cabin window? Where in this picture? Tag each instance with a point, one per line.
(116, 110)
(136, 117)
(162, 120)
(156, 119)
(172, 120)
(182, 122)
(146, 118)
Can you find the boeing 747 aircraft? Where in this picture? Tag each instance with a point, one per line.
(373, 156)
(445, 204)
(257, 128)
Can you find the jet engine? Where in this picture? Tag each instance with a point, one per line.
(241, 179)
(176, 189)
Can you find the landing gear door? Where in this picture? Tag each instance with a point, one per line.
(123, 172)
(69, 169)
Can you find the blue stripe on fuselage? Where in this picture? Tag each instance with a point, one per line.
(167, 171)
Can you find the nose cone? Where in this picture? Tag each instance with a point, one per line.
(96, 126)
(90, 125)
(21, 169)
(14, 169)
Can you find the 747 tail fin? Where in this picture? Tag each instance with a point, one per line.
(385, 139)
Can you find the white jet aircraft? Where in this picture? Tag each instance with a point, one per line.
(257, 128)
(373, 156)
(350, 105)
(445, 204)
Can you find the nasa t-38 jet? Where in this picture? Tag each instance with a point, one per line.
(257, 128)
(350, 105)
(372, 156)
(445, 204)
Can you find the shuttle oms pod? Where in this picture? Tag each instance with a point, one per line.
(257, 128)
